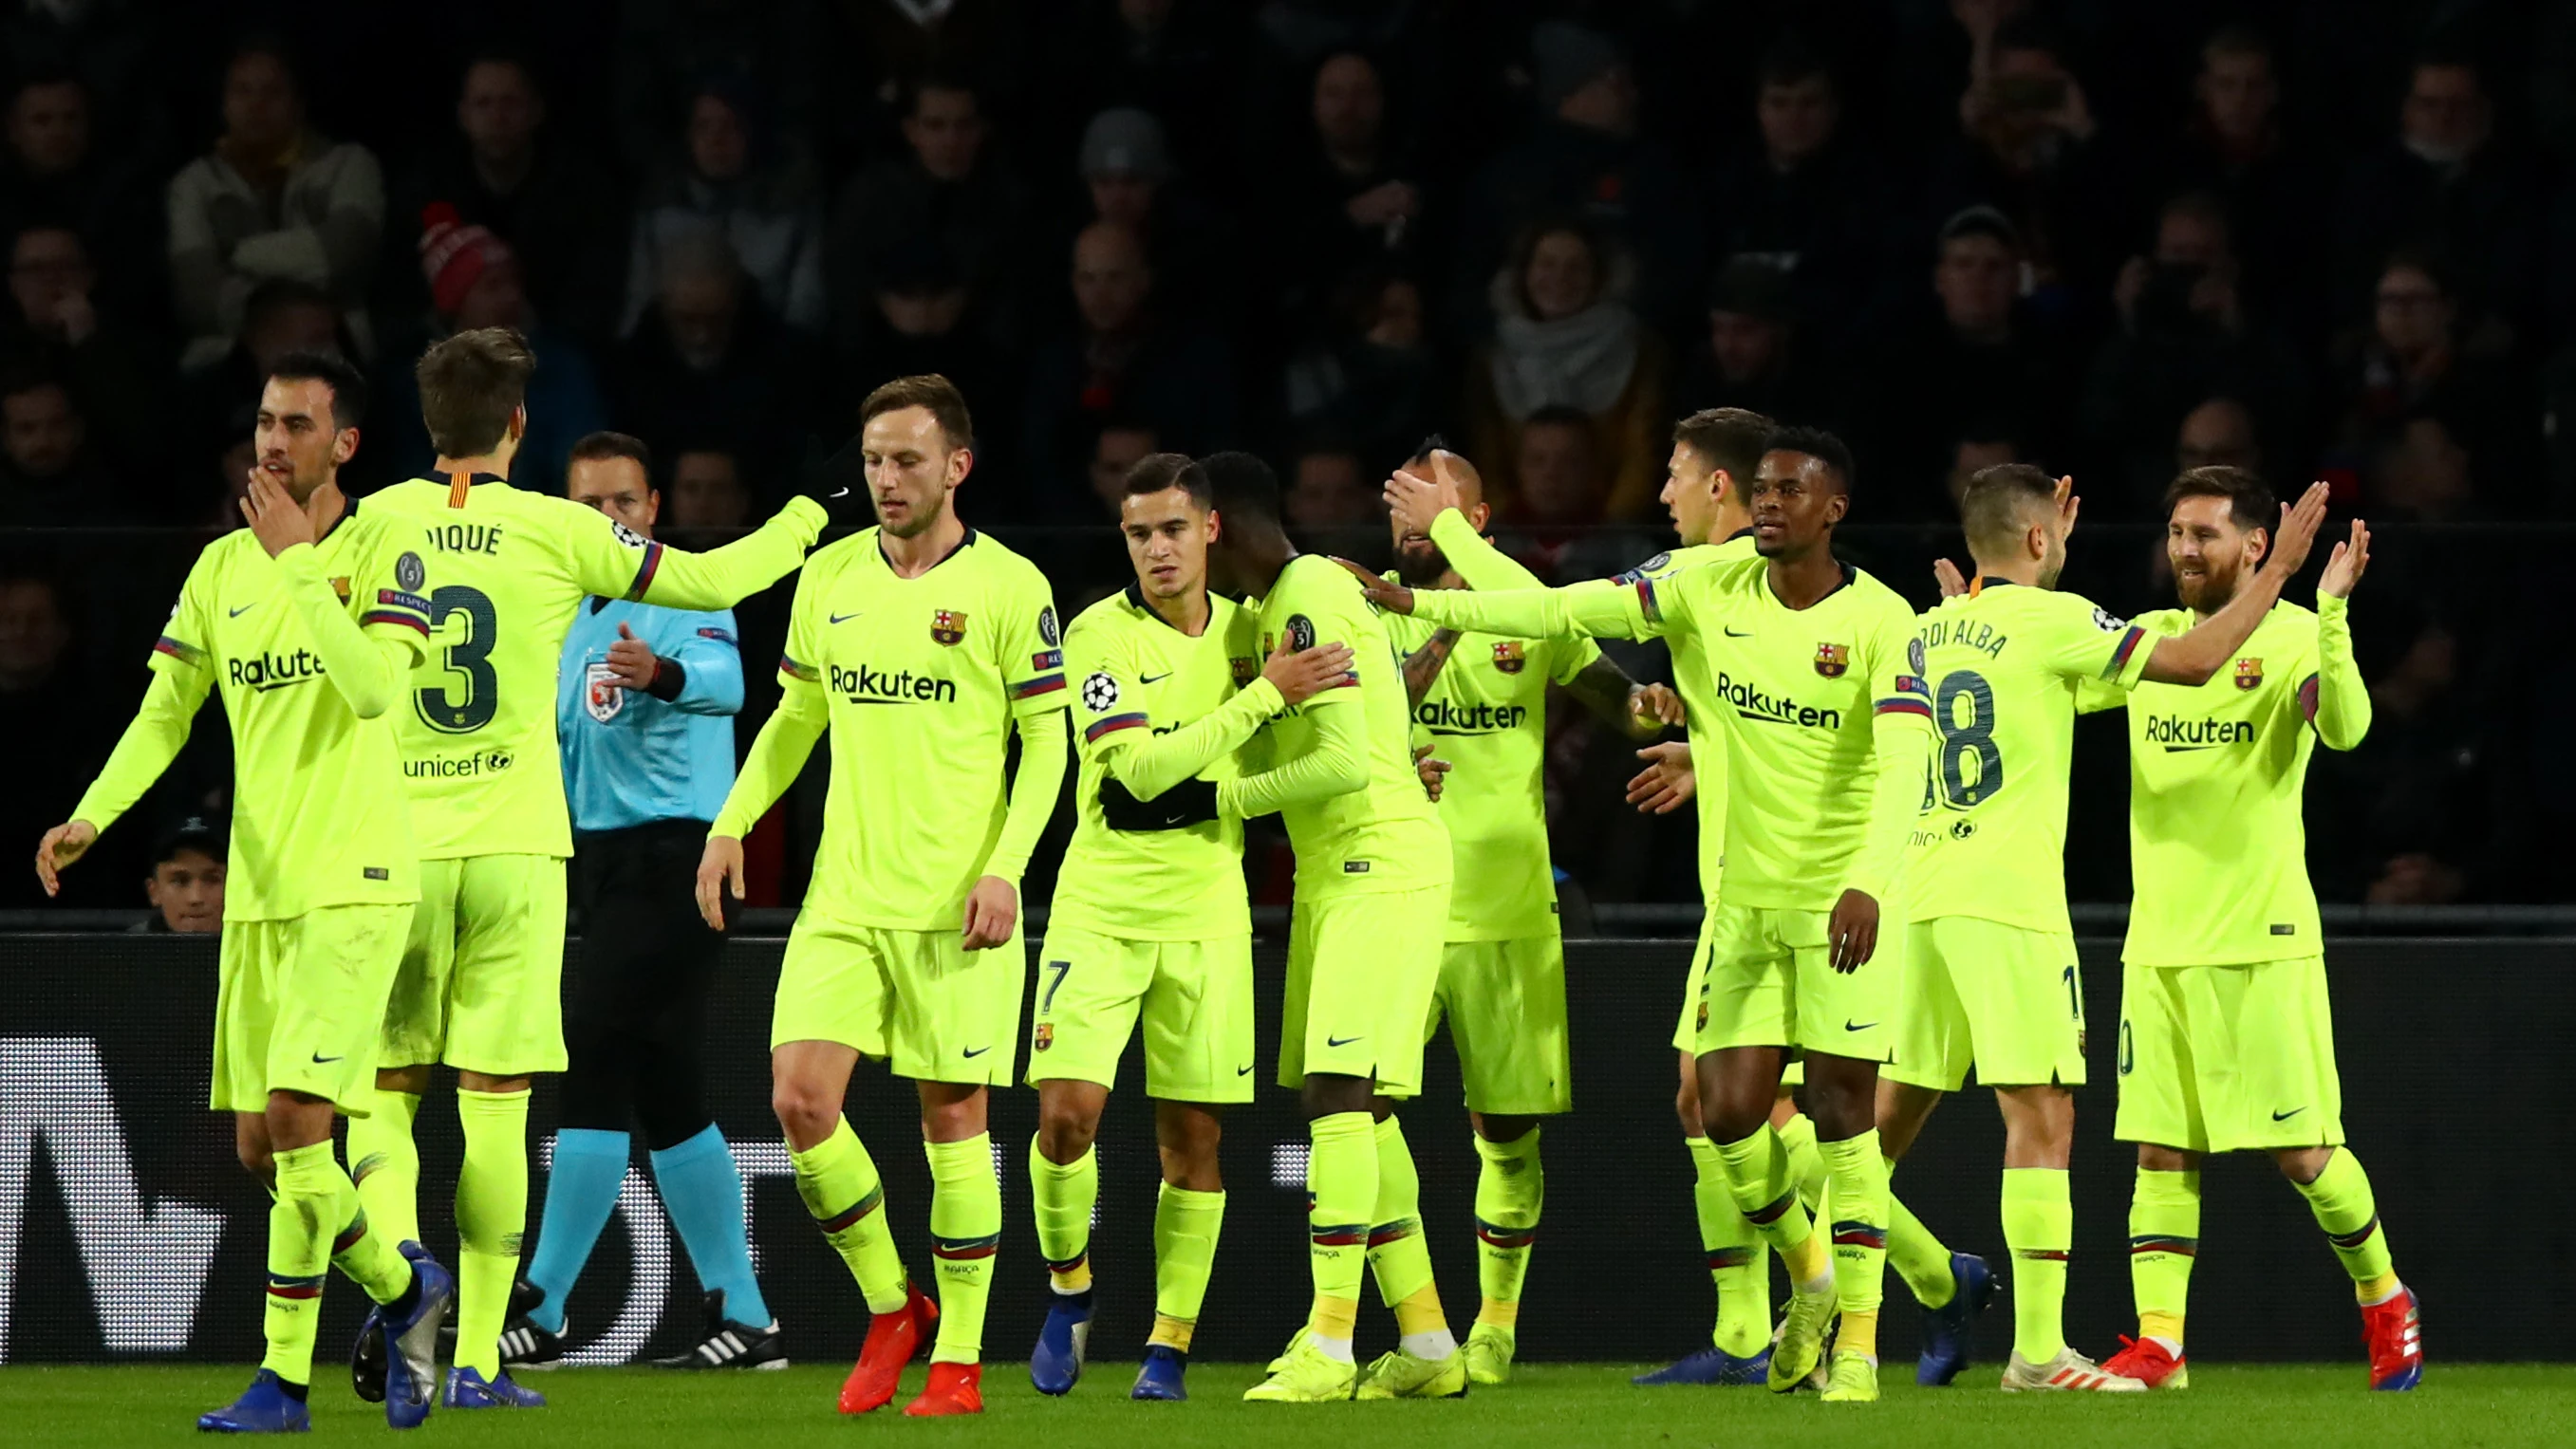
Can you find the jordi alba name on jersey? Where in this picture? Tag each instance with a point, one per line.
(2003, 667)
(1134, 676)
(921, 679)
(318, 816)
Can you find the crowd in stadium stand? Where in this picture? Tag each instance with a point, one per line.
(2318, 238)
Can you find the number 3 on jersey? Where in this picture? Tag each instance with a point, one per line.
(469, 655)
(1970, 764)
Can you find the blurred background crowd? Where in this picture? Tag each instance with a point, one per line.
(2319, 238)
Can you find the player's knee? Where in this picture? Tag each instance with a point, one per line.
(804, 1109)
(1065, 1129)
(256, 1159)
(1686, 1108)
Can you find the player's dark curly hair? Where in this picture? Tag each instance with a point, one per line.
(1815, 443)
(1244, 487)
(348, 385)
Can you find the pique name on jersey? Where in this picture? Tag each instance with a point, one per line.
(481, 538)
(1753, 704)
(274, 671)
(1446, 717)
(2176, 733)
(1976, 634)
(864, 685)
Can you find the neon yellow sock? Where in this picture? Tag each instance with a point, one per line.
(845, 1197)
(2344, 1206)
(2164, 1242)
(1186, 1224)
(491, 1214)
(1511, 1188)
(1918, 1257)
(1757, 1174)
(1063, 1195)
(1341, 1187)
(1807, 1166)
(1737, 1265)
(1860, 1221)
(1399, 1256)
(965, 1233)
(300, 1220)
(385, 1164)
(2039, 1227)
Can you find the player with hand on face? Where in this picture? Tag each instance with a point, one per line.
(1149, 926)
(1483, 700)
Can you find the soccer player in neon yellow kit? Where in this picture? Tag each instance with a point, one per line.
(1826, 749)
(1991, 978)
(1363, 952)
(2226, 1035)
(308, 623)
(1483, 700)
(481, 985)
(1149, 921)
(921, 645)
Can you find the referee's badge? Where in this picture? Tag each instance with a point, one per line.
(601, 694)
(2249, 673)
(948, 626)
(1509, 657)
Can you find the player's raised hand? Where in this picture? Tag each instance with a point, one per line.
(992, 908)
(1414, 500)
(2067, 502)
(1656, 704)
(1430, 770)
(275, 518)
(1301, 674)
(62, 845)
(1667, 783)
(2344, 566)
(2299, 523)
(1946, 574)
(719, 871)
(631, 662)
(1852, 931)
(1386, 593)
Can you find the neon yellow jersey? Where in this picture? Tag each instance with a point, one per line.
(2003, 666)
(2217, 848)
(1385, 835)
(1136, 683)
(1486, 714)
(921, 681)
(478, 734)
(318, 813)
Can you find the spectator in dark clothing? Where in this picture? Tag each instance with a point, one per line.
(117, 378)
(1798, 196)
(1753, 356)
(2234, 148)
(1328, 503)
(49, 475)
(1372, 378)
(708, 361)
(475, 280)
(1585, 158)
(2448, 185)
(509, 171)
(186, 886)
(1346, 201)
(1124, 357)
(1557, 530)
(1127, 171)
(946, 187)
(2031, 148)
(924, 316)
(709, 503)
(2219, 433)
(2185, 331)
(736, 180)
(54, 173)
(2414, 362)
(1978, 353)
(1167, 56)
(1114, 454)
(48, 713)
(666, 49)
(897, 43)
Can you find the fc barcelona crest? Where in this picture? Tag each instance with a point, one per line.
(1832, 660)
(2249, 673)
(948, 626)
(1246, 669)
(1044, 1036)
(1508, 656)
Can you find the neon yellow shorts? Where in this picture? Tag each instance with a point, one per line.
(919, 1000)
(1766, 979)
(1194, 999)
(1361, 969)
(300, 1003)
(2007, 999)
(481, 986)
(1505, 1003)
(2228, 1058)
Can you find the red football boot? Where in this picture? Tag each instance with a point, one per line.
(2149, 1362)
(2396, 1340)
(893, 1338)
(954, 1388)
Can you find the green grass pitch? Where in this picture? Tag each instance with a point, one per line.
(2277, 1407)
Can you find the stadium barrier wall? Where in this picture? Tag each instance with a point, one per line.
(127, 1229)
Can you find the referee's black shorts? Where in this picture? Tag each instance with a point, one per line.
(638, 1003)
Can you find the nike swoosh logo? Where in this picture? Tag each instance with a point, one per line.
(321, 1060)
(1739, 633)
(2286, 1116)
(1341, 1041)
(977, 1052)
(1851, 1025)
(845, 618)
(1153, 678)
(244, 609)
(1244, 1070)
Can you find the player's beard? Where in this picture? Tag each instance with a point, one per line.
(2210, 592)
(1420, 565)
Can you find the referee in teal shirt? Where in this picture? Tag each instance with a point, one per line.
(645, 700)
